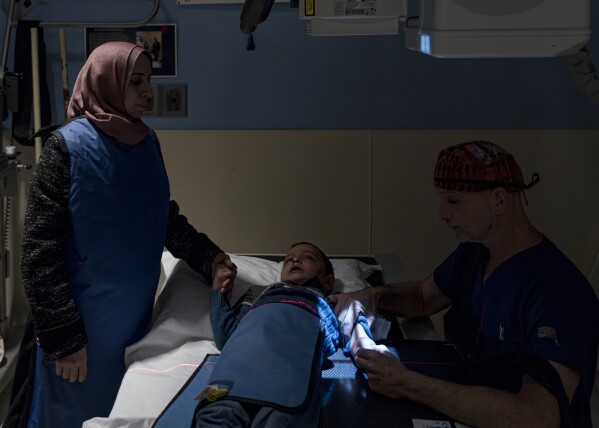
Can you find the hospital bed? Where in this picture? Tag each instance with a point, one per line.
(180, 338)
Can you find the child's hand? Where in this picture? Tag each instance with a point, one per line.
(366, 343)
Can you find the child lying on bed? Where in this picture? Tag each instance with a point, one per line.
(269, 369)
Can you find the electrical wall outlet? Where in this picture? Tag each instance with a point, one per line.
(174, 100)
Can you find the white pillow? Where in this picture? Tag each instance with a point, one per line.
(350, 274)
(252, 271)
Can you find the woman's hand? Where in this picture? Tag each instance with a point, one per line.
(224, 272)
(73, 367)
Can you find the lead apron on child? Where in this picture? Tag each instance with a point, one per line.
(118, 208)
(272, 358)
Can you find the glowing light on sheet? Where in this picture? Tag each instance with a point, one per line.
(157, 371)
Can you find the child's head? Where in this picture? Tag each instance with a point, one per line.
(304, 261)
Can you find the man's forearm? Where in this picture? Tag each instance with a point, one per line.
(404, 299)
(412, 299)
(480, 406)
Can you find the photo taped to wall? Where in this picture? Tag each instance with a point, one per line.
(159, 40)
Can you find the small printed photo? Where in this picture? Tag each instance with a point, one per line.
(159, 40)
(151, 41)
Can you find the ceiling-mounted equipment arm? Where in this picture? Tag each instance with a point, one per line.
(105, 24)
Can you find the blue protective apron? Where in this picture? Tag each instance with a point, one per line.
(118, 213)
(271, 359)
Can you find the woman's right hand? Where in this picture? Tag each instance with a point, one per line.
(73, 367)
(224, 274)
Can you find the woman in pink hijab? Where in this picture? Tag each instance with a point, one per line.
(98, 217)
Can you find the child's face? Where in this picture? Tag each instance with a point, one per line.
(303, 262)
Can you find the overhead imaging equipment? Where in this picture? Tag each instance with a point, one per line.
(458, 28)
(448, 28)
(461, 28)
(348, 18)
(507, 28)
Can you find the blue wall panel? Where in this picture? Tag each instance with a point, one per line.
(295, 81)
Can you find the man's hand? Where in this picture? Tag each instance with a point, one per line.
(73, 367)
(385, 372)
(224, 272)
(349, 305)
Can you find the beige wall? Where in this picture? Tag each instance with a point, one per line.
(258, 192)
(353, 192)
(363, 192)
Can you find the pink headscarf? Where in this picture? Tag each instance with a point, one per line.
(100, 89)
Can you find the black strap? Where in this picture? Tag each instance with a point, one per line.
(490, 184)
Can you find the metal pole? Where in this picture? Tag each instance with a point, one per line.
(7, 30)
(5, 48)
(35, 75)
(3, 253)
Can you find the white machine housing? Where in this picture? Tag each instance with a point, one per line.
(499, 28)
(352, 17)
(461, 28)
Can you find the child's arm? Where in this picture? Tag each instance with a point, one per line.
(223, 317)
(361, 339)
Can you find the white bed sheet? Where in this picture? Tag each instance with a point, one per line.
(180, 335)
(149, 385)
